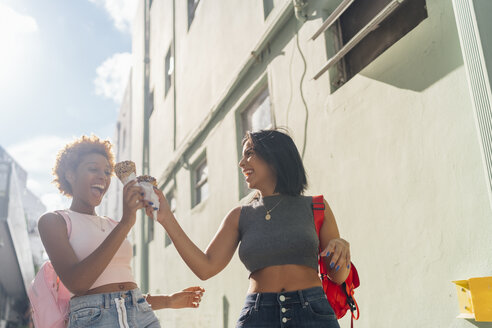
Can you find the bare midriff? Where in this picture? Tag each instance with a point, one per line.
(110, 288)
(283, 278)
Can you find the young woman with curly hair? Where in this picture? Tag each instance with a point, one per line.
(277, 240)
(90, 253)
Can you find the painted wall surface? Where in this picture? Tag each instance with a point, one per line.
(395, 151)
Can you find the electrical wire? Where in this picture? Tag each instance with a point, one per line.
(302, 95)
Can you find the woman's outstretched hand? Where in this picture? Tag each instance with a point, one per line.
(187, 298)
(164, 211)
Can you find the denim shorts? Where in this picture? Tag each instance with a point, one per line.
(307, 308)
(126, 309)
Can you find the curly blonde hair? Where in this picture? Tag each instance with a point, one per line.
(71, 155)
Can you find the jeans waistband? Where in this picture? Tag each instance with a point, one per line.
(106, 299)
(298, 296)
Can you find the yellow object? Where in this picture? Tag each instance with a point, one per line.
(475, 298)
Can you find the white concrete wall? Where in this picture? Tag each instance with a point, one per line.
(395, 152)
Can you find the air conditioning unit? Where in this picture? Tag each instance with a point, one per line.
(357, 38)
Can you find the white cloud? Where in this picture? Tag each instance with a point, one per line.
(122, 12)
(37, 156)
(16, 37)
(112, 76)
(55, 201)
(13, 22)
(34, 186)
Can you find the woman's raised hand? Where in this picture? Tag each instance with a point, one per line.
(133, 200)
(164, 211)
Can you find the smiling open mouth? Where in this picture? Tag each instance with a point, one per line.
(97, 190)
(248, 173)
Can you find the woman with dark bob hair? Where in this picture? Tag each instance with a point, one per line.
(90, 253)
(277, 240)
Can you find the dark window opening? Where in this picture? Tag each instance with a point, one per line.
(151, 103)
(171, 199)
(394, 27)
(267, 8)
(168, 71)
(192, 5)
(200, 182)
(225, 311)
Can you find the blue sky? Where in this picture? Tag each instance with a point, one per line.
(63, 68)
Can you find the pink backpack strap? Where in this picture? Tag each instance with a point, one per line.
(68, 222)
(111, 220)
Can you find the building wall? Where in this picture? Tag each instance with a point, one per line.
(21, 250)
(395, 152)
(137, 103)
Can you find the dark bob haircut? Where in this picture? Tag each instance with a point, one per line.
(278, 150)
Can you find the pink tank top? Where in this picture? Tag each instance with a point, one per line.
(87, 233)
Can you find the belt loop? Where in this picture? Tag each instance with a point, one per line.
(134, 297)
(257, 302)
(107, 301)
(301, 298)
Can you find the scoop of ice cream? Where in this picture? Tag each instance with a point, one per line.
(148, 183)
(147, 178)
(125, 171)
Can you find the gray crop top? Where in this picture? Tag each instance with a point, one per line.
(289, 237)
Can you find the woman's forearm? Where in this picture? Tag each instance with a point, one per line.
(194, 257)
(158, 302)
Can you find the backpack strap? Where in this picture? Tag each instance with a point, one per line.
(111, 220)
(318, 206)
(68, 222)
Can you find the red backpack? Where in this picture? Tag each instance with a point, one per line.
(341, 297)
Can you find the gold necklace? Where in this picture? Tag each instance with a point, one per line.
(268, 216)
(94, 223)
(100, 223)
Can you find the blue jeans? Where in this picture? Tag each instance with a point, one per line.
(307, 308)
(120, 309)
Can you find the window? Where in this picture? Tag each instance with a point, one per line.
(365, 30)
(151, 103)
(4, 186)
(200, 182)
(267, 8)
(168, 71)
(150, 230)
(192, 5)
(225, 311)
(257, 115)
(167, 240)
(4, 178)
(171, 199)
(123, 142)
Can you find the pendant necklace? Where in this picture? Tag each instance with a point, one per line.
(100, 223)
(100, 226)
(268, 216)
